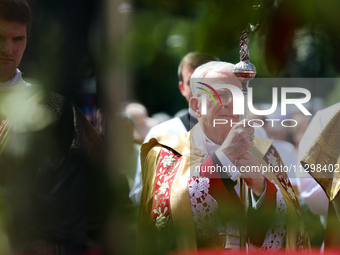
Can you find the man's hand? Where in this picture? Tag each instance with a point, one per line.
(248, 166)
(238, 141)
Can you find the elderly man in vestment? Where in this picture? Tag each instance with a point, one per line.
(188, 203)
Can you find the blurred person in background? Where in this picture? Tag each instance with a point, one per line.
(161, 117)
(186, 205)
(142, 122)
(182, 112)
(177, 125)
(47, 152)
(129, 149)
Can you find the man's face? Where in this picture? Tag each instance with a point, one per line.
(13, 39)
(217, 111)
(184, 86)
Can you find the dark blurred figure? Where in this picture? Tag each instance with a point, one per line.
(48, 151)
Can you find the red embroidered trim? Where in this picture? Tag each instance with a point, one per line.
(281, 175)
(167, 168)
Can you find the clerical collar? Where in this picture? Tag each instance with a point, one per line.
(15, 83)
(202, 142)
(12, 81)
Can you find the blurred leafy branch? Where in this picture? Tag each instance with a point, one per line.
(296, 39)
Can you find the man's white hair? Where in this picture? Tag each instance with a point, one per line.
(213, 69)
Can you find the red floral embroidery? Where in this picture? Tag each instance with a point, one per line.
(167, 167)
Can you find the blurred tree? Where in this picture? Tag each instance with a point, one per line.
(296, 39)
(59, 44)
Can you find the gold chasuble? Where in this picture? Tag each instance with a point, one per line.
(322, 163)
(166, 217)
(322, 158)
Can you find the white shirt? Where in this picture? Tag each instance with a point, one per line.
(16, 83)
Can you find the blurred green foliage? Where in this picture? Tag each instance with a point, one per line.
(296, 39)
(58, 53)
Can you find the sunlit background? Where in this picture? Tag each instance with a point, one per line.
(103, 55)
